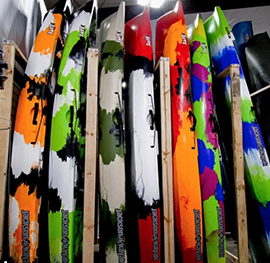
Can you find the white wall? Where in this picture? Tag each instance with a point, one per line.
(20, 21)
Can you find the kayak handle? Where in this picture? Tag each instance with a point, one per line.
(192, 128)
(34, 122)
(35, 119)
(213, 124)
(212, 121)
(118, 122)
(37, 90)
(191, 114)
(152, 120)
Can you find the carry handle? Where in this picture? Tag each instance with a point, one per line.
(152, 120)
(118, 121)
(213, 124)
(38, 90)
(34, 122)
(35, 119)
(192, 128)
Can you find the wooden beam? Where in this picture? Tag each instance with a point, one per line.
(226, 72)
(90, 156)
(238, 156)
(11, 53)
(231, 257)
(166, 149)
(20, 58)
(6, 92)
(4, 147)
(259, 91)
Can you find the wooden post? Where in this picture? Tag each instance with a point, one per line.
(90, 156)
(11, 53)
(166, 148)
(238, 157)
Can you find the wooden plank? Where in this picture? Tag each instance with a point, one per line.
(90, 157)
(6, 92)
(166, 148)
(231, 257)
(225, 73)
(5, 126)
(4, 147)
(259, 91)
(20, 58)
(238, 155)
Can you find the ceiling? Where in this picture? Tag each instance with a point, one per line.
(101, 3)
(107, 7)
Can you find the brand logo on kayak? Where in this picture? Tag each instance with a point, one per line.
(260, 146)
(25, 237)
(204, 48)
(51, 28)
(81, 30)
(148, 40)
(119, 37)
(155, 234)
(184, 39)
(120, 236)
(198, 237)
(220, 232)
(65, 239)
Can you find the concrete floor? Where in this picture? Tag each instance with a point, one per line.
(231, 246)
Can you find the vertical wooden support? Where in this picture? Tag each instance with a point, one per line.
(11, 53)
(241, 213)
(166, 148)
(90, 156)
(5, 126)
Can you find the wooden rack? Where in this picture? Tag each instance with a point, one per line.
(165, 110)
(90, 156)
(166, 158)
(238, 156)
(8, 100)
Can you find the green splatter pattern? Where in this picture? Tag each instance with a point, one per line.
(111, 141)
(67, 143)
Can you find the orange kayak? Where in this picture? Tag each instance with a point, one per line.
(172, 42)
(28, 143)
